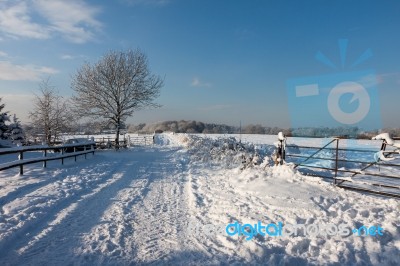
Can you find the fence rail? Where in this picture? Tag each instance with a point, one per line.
(141, 140)
(109, 142)
(66, 151)
(348, 182)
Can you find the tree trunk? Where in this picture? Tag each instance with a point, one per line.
(117, 135)
(48, 136)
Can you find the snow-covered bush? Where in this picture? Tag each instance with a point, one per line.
(227, 152)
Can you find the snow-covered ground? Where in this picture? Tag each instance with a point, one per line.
(170, 203)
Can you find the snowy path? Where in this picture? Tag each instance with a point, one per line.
(169, 204)
(126, 209)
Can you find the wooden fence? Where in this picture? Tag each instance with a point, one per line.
(65, 151)
(109, 142)
(140, 140)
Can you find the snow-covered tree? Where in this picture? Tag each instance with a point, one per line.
(4, 117)
(115, 87)
(16, 132)
(51, 114)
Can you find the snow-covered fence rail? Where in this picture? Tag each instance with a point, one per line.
(140, 140)
(346, 172)
(109, 142)
(65, 151)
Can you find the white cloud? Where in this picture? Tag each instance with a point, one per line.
(16, 22)
(66, 57)
(10, 71)
(146, 2)
(3, 54)
(73, 19)
(71, 57)
(197, 83)
(368, 81)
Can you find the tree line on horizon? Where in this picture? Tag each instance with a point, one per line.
(191, 126)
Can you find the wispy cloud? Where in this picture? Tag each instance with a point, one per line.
(368, 81)
(74, 20)
(146, 2)
(70, 57)
(10, 71)
(389, 77)
(15, 21)
(196, 82)
(216, 107)
(67, 57)
(3, 54)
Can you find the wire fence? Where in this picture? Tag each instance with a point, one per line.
(338, 163)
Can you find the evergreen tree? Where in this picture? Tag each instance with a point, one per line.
(17, 135)
(4, 129)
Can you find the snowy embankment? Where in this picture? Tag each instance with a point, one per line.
(222, 194)
(170, 203)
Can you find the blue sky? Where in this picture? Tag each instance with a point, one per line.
(223, 61)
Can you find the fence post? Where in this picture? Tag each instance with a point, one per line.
(92, 146)
(21, 167)
(336, 160)
(84, 149)
(62, 153)
(45, 162)
(75, 152)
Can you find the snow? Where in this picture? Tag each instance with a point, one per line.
(169, 204)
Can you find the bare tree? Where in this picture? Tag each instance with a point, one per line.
(51, 113)
(116, 86)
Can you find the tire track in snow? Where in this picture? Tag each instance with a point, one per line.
(40, 219)
(110, 241)
(159, 223)
(96, 227)
(25, 189)
(205, 205)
